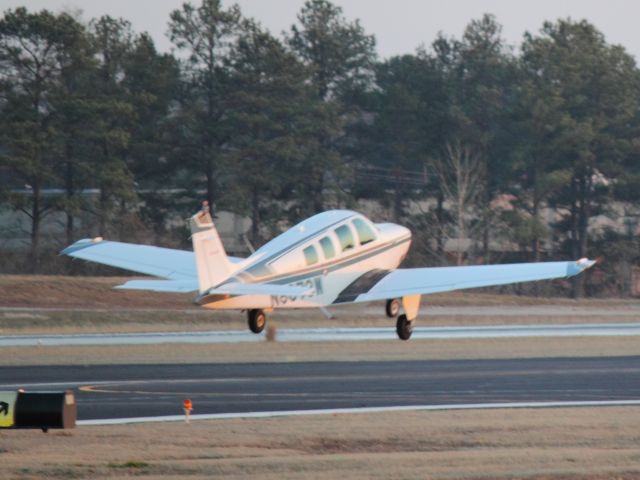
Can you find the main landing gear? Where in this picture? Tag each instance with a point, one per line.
(404, 326)
(257, 320)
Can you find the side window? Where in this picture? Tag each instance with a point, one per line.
(365, 233)
(346, 237)
(327, 247)
(310, 255)
(260, 270)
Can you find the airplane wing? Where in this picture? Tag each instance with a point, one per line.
(156, 261)
(382, 285)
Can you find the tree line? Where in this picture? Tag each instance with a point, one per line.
(466, 139)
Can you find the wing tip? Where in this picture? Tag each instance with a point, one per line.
(80, 245)
(579, 266)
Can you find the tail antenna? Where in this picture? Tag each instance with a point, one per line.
(204, 216)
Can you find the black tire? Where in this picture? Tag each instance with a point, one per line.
(257, 320)
(392, 307)
(404, 327)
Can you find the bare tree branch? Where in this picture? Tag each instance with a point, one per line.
(460, 174)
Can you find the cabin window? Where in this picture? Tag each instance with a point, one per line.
(346, 237)
(365, 232)
(327, 247)
(310, 255)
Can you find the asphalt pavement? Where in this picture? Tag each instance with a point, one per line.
(157, 390)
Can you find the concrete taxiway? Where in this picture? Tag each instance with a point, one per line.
(127, 391)
(325, 334)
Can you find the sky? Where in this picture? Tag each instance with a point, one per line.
(400, 26)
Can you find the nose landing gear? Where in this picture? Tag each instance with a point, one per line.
(392, 308)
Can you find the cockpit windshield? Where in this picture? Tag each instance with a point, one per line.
(365, 232)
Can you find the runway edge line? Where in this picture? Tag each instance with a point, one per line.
(335, 411)
(325, 334)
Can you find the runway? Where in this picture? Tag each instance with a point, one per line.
(158, 390)
(325, 335)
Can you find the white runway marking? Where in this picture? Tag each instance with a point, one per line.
(332, 411)
(326, 335)
(631, 309)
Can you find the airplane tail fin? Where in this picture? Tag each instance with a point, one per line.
(212, 263)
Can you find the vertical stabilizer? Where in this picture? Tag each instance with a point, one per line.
(212, 263)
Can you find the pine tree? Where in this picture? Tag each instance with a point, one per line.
(270, 102)
(205, 34)
(35, 51)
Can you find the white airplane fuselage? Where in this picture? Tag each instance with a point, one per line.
(325, 254)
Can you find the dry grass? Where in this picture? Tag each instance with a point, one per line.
(28, 322)
(324, 351)
(50, 304)
(516, 444)
(77, 292)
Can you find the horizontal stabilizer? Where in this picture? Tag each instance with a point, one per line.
(156, 261)
(168, 286)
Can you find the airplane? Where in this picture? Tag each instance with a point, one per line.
(334, 257)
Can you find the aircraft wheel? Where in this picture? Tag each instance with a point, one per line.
(393, 307)
(404, 327)
(257, 320)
